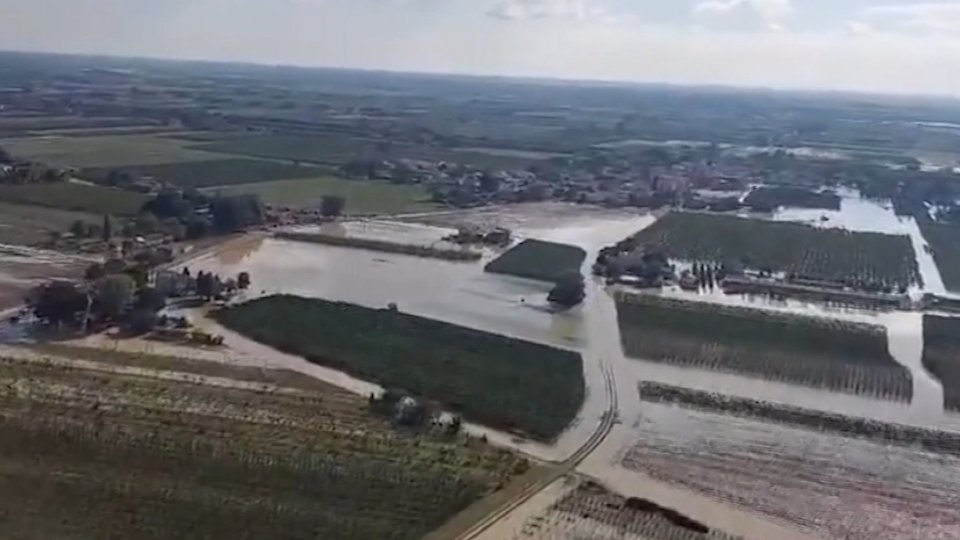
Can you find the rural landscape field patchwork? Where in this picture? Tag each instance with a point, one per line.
(251, 301)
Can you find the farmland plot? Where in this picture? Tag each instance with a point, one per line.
(941, 356)
(590, 512)
(500, 381)
(106, 450)
(74, 196)
(820, 353)
(857, 259)
(221, 172)
(536, 259)
(945, 241)
(104, 151)
(827, 486)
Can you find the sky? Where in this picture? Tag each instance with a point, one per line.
(895, 46)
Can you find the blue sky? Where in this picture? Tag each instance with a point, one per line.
(904, 46)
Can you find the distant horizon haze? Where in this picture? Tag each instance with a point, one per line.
(872, 46)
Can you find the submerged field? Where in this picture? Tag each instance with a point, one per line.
(944, 240)
(499, 381)
(820, 353)
(825, 485)
(858, 259)
(158, 449)
(941, 355)
(536, 259)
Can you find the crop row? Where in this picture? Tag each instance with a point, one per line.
(500, 381)
(820, 353)
(859, 259)
(941, 355)
(142, 457)
(930, 439)
(590, 511)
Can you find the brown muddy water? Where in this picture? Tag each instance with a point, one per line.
(688, 445)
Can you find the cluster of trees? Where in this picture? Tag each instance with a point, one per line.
(83, 229)
(191, 214)
(29, 173)
(116, 292)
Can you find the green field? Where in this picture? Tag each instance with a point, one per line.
(502, 382)
(74, 196)
(820, 353)
(21, 124)
(941, 355)
(108, 151)
(263, 455)
(945, 241)
(536, 259)
(858, 259)
(221, 172)
(363, 196)
(337, 150)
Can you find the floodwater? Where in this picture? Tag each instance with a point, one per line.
(858, 214)
(456, 292)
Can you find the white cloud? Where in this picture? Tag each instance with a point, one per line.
(924, 18)
(543, 9)
(743, 15)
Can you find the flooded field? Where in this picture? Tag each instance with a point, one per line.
(838, 488)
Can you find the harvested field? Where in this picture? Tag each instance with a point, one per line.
(941, 356)
(536, 259)
(109, 450)
(31, 225)
(76, 197)
(105, 151)
(502, 382)
(944, 240)
(826, 486)
(821, 353)
(590, 512)
(363, 197)
(208, 173)
(883, 432)
(858, 259)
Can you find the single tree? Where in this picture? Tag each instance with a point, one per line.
(107, 229)
(205, 285)
(114, 295)
(243, 280)
(79, 229)
(5, 157)
(332, 205)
